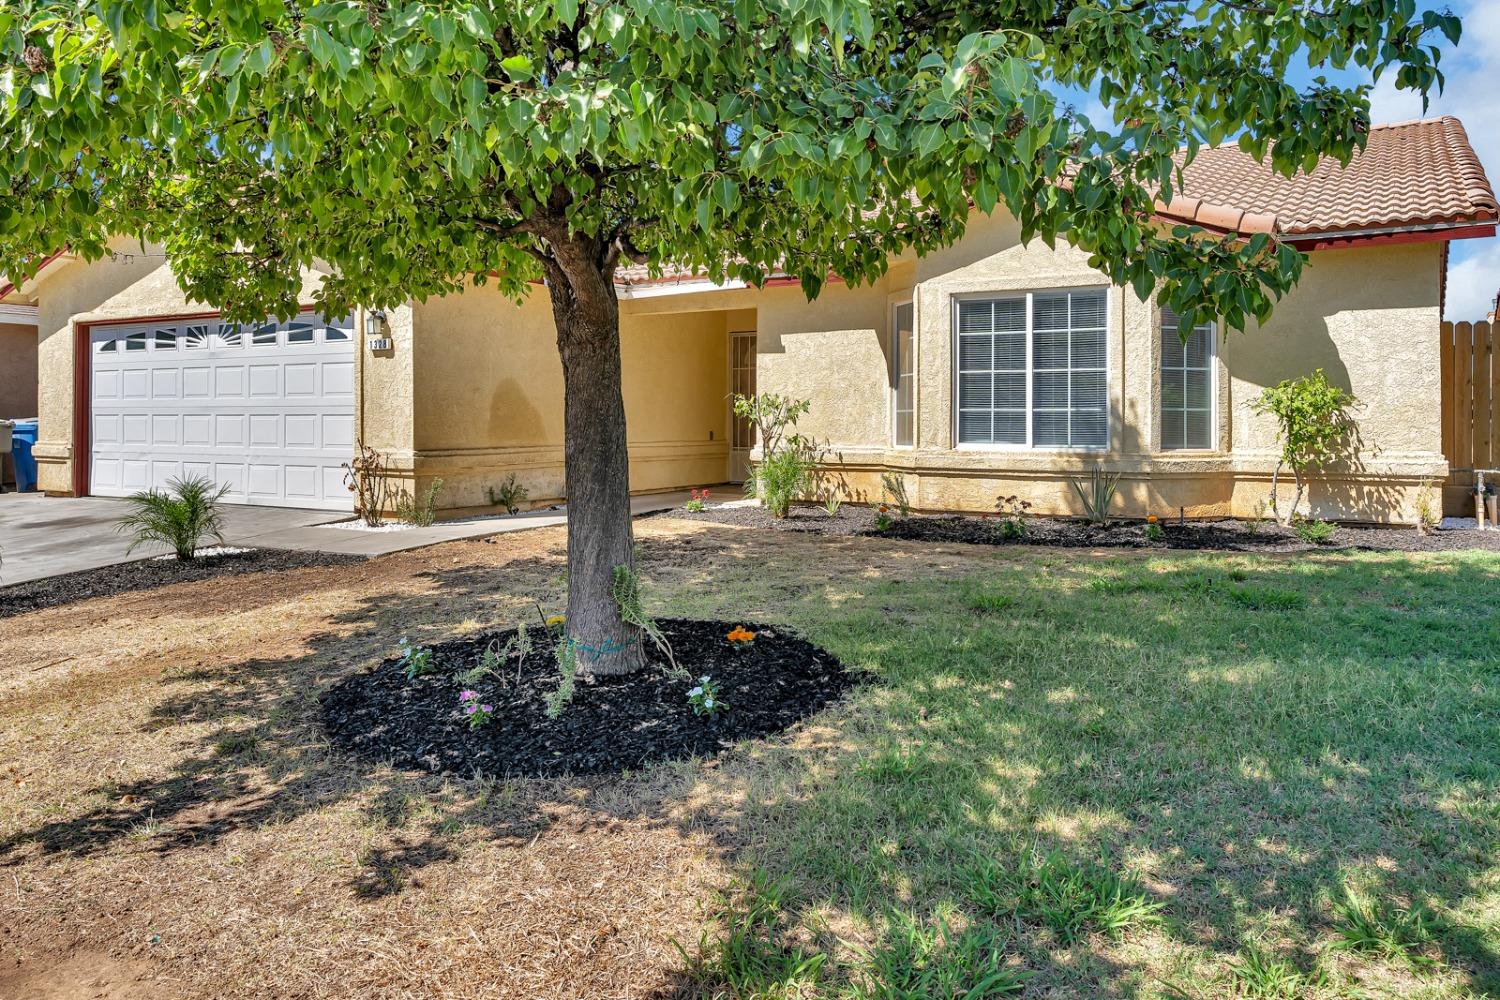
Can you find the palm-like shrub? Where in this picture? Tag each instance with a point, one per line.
(180, 516)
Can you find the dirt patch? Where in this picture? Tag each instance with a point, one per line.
(613, 724)
(1059, 532)
(83, 976)
(147, 574)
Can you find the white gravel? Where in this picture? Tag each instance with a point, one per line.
(209, 553)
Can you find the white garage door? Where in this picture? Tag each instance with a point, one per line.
(267, 409)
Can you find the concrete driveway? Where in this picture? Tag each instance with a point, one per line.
(42, 536)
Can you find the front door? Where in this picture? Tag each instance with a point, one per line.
(741, 383)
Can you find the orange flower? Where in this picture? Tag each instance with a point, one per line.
(883, 508)
(740, 634)
(1151, 519)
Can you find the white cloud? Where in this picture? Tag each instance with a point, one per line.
(1471, 70)
(1472, 282)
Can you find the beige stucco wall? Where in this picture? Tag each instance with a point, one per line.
(472, 388)
(1368, 317)
(18, 371)
(489, 395)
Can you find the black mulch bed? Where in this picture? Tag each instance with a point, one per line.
(1228, 535)
(146, 574)
(613, 724)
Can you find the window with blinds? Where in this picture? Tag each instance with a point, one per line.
(903, 377)
(1187, 380)
(1032, 370)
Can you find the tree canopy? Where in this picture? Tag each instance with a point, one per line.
(413, 145)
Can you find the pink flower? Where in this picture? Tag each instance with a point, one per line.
(486, 708)
(467, 695)
(470, 708)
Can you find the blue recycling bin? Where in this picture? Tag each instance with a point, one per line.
(23, 436)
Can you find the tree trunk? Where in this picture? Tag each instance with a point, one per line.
(596, 463)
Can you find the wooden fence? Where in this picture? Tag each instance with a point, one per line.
(1471, 408)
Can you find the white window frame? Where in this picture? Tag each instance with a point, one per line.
(1030, 373)
(895, 342)
(1213, 392)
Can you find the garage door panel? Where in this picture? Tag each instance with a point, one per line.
(264, 481)
(265, 381)
(135, 428)
(135, 474)
(338, 432)
(197, 383)
(301, 380)
(165, 428)
(229, 381)
(165, 383)
(229, 430)
(163, 473)
(338, 378)
(301, 430)
(266, 410)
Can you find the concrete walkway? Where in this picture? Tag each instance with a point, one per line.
(42, 537)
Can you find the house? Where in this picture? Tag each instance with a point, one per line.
(986, 369)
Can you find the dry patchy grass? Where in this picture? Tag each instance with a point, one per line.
(1203, 768)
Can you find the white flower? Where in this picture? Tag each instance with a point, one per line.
(704, 679)
(695, 692)
(708, 703)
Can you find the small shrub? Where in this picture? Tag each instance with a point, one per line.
(509, 494)
(489, 665)
(1097, 494)
(783, 477)
(1315, 532)
(181, 516)
(883, 519)
(704, 698)
(567, 679)
(1381, 928)
(415, 660)
(1012, 516)
(1313, 421)
(419, 512)
(1257, 515)
(1154, 532)
(831, 502)
(894, 486)
(697, 501)
(366, 477)
(1429, 508)
(1070, 898)
(477, 712)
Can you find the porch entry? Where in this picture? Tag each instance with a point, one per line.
(741, 383)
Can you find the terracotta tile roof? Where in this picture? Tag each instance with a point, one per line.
(1410, 174)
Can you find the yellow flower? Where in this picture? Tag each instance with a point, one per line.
(556, 620)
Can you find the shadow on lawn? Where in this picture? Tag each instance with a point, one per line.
(1249, 734)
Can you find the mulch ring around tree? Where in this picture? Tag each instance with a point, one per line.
(613, 724)
(1063, 532)
(148, 574)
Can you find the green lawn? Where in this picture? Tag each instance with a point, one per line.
(1128, 776)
